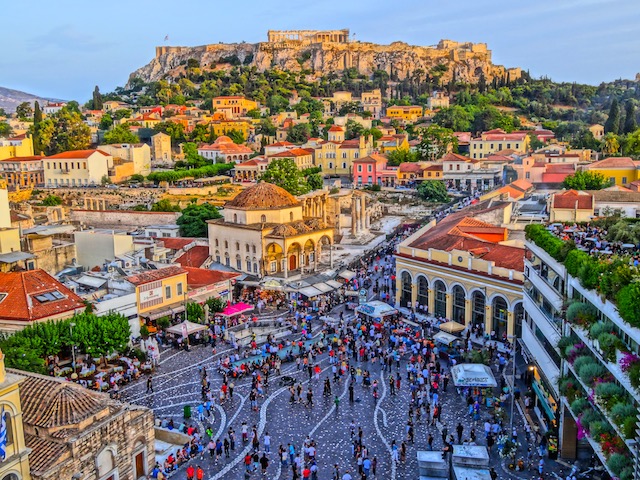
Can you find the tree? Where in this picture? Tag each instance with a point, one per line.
(164, 205)
(277, 104)
(611, 144)
(266, 127)
(585, 139)
(42, 135)
(237, 136)
(299, 133)
(436, 142)
(216, 305)
(174, 130)
(586, 180)
(455, 118)
(51, 201)
(122, 113)
(5, 129)
(284, 173)
(254, 113)
(353, 130)
(315, 181)
(632, 144)
(612, 125)
(402, 155)
(24, 111)
(195, 312)
(37, 113)
(106, 122)
(69, 133)
(193, 221)
(433, 191)
(97, 99)
(630, 123)
(120, 134)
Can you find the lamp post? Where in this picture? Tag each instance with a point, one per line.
(513, 380)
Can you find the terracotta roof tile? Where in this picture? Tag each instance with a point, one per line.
(614, 162)
(176, 243)
(572, 199)
(32, 158)
(294, 152)
(78, 154)
(44, 453)
(263, 196)
(155, 275)
(201, 277)
(23, 288)
(194, 257)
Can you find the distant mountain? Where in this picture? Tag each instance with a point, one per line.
(10, 99)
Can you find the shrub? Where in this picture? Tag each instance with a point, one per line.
(588, 373)
(627, 473)
(164, 322)
(621, 411)
(588, 417)
(581, 361)
(582, 313)
(598, 427)
(629, 427)
(551, 244)
(579, 405)
(599, 328)
(609, 344)
(564, 344)
(628, 300)
(634, 375)
(574, 260)
(144, 331)
(617, 462)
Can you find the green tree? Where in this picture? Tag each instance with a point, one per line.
(237, 136)
(37, 113)
(24, 111)
(195, 312)
(610, 144)
(164, 205)
(612, 125)
(97, 99)
(51, 201)
(630, 123)
(586, 180)
(631, 145)
(436, 142)
(277, 104)
(69, 133)
(433, 191)
(5, 129)
(284, 173)
(174, 130)
(193, 221)
(402, 155)
(353, 130)
(120, 134)
(106, 122)
(299, 133)
(254, 113)
(315, 181)
(534, 143)
(216, 305)
(122, 113)
(266, 127)
(585, 139)
(73, 106)
(43, 133)
(455, 118)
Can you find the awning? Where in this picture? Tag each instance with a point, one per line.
(445, 338)
(376, 309)
(310, 292)
(347, 274)
(543, 401)
(323, 287)
(236, 309)
(473, 375)
(163, 312)
(334, 284)
(452, 327)
(190, 328)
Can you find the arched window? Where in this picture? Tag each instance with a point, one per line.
(11, 476)
(227, 260)
(235, 218)
(291, 216)
(423, 294)
(105, 463)
(246, 247)
(248, 261)
(440, 308)
(238, 262)
(253, 249)
(458, 304)
(217, 256)
(217, 243)
(263, 219)
(478, 309)
(405, 297)
(226, 244)
(499, 321)
(237, 245)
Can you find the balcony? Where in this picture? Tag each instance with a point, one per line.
(543, 285)
(555, 321)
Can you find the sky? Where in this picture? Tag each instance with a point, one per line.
(63, 48)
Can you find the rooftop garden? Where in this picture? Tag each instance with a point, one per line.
(612, 272)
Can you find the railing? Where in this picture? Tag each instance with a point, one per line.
(555, 321)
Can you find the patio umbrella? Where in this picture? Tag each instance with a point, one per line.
(452, 327)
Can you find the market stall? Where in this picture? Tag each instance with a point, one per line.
(473, 375)
(186, 328)
(376, 309)
(452, 327)
(237, 309)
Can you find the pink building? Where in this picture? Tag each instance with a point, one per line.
(373, 170)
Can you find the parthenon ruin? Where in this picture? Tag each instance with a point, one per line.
(309, 36)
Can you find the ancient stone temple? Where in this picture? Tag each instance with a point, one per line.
(308, 36)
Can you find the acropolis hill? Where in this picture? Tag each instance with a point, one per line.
(325, 51)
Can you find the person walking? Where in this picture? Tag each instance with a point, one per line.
(459, 430)
(150, 384)
(264, 464)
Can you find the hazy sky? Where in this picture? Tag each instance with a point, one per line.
(63, 48)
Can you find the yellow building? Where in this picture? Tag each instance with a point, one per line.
(408, 114)
(137, 153)
(597, 130)
(267, 231)
(336, 155)
(461, 269)
(161, 148)
(571, 206)
(19, 146)
(22, 172)
(618, 170)
(16, 463)
(391, 143)
(303, 157)
(498, 140)
(160, 292)
(226, 126)
(233, 106)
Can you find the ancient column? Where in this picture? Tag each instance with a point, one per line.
(365, 221)
(354, 217)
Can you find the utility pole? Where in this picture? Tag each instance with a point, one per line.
(513, 382)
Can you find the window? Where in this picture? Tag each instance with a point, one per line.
(226, 244)
(624, 180)
(248, 260)
(263, 219)
(458, 166)
(527, 175)
(369, 168)
(344, 154)
(491, 146)
(217, 242)
(330, 164)
(291, 216)
(238, 262)
(407, 285)
(253, 249)
(247, 248)
(450, 167)
(179, 289)
(359, 168)
(167, 292)
(273, 266)
(508, 145)
(237, 245)
(612, 180)
(235, 218)
(441, 299)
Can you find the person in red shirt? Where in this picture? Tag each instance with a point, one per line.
(199, 473)
(190, 472)
(306, 473)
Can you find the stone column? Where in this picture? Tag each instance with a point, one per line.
(431, 295)
(488, 320)
(449, 309)
(414, 296)
(286, 266)
(324, 210)
(330, 255)
(354, 216)
(468, 305)
(365, 222)
(510, 323)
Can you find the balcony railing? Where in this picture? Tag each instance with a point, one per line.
(554, 320)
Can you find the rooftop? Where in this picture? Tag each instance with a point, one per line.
(263, 196)
(73, 154)
(155, 275)
(201, 277)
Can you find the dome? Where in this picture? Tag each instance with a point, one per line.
(263, 196)
(223, 139)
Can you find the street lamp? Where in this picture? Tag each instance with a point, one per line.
(513, 380)
(73, 345)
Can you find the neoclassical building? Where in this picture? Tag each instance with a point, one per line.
(266, 231)
(463, 269)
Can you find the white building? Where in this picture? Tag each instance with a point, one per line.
(138, 153)
(76, 168)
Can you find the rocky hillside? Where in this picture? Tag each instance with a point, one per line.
(10, 99)
(452, 60)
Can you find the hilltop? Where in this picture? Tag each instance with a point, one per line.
(326, 52)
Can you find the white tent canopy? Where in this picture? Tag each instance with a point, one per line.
(191, 328)
(445, 338)
(451, 327)
(472, 375)
(376, 309)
